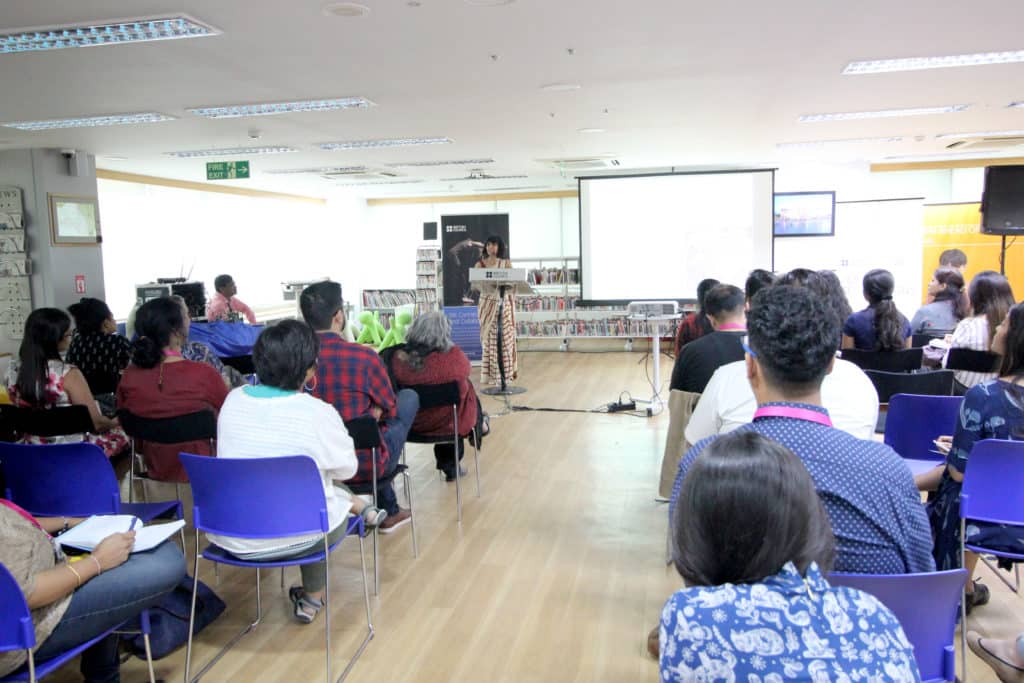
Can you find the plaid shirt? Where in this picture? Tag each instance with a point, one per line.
(693, 326)
(353, 379)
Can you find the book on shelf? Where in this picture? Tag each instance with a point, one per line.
(553, 276)
(428, 254)
(426, 281)
(387, 298)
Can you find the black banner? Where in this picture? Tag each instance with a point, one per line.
(462, 244)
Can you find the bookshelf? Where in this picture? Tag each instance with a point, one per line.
(386, 301)
(428, 279)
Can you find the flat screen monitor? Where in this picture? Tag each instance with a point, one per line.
(804, 214)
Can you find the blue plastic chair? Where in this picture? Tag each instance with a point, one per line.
(925, 605)
(17, 632)
(914, 421)
(264, 498)
(70, 480)
(993, 492)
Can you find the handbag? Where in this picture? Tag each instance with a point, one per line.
(169, 619)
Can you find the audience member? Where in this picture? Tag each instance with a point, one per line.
(797, 276)
(991, 297)
(39, 378)
(161, 383)
(201, 353)
(826, 284)
(758, 279)
(991, 410)
(276, 418)
(698, 360)
(353, 379)
(948, 305)
(72, 603)
(1006, 657)
(750, 538)
(953, 258)
(224, 305)
(96, 349)
(877, 517)
(879, 327)
(696, 323)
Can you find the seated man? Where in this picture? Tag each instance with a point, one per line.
(877, 517)
(353, 379)
(699, 359)
(224, 305)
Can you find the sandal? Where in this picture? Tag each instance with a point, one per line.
(373, 516)
(978, 597)
(305, 607)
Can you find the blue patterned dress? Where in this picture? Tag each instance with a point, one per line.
(785, 628)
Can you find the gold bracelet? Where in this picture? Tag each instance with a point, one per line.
(99, 568)
(75, 572)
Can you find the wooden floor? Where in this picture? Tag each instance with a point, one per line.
(556, 574)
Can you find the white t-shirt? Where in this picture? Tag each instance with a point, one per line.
(272, 423)
(728, 402)
(970, 333)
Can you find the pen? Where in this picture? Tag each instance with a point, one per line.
(132, 527)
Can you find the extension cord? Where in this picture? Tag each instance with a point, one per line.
(621, 407)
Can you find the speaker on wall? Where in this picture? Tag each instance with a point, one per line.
(1002, 202)
(430, 231)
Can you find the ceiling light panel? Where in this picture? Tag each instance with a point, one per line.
(379, 182)
(108, 33)
(376, 144)
(230, 151)
(232, 111)
(1016, 105)
(320, 170)
(883, 113)
(89, 121)
(814, 144)
(982, 134)
(874, 66)
(447, 162)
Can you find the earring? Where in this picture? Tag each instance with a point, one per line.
(310, 389)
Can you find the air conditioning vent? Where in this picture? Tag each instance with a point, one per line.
(993, 143)
(582, 163)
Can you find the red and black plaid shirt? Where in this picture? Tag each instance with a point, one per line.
(693, 326)
(353, 379)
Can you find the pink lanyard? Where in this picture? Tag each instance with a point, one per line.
(731, 326)
(794, 413)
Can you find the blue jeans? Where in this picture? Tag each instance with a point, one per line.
(407, 404)
(109, 600)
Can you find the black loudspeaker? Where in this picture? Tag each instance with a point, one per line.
(430, 231)
(1002, 203)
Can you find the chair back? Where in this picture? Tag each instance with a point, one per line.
(365, 432)
(971, 360)
(903, 360)
(926, 606)
(16, 629)
(60, 480)
(888, 384)
(915, 421)
(169, 430)
(993, 486)
(48, 421)
(257, 497)
(922, 338)
(436, 395)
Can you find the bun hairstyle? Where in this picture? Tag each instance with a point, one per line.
(952, 290)
(89, 315)
(156, 322)
(878, 288)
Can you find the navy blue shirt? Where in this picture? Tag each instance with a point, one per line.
(877, 517)
(861, 326)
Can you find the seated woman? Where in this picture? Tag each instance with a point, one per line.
(752, 541)
(430, 357)
(991, 297)
(880, 326)
(948, 304)
(991, 410)
(201, 353)
(38, 378)
(72, 603)
(160, 383)
(96, 348)
(277, 418)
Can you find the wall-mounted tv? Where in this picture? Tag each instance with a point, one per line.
(804, 214)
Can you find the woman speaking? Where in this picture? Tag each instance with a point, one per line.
(496, 256)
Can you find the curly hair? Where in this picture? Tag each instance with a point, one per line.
(794, 336)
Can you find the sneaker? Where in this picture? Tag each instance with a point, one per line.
(980, 596)
(403, 516)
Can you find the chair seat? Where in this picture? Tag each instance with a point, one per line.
(980, 549)
(215, 553)
(51, 665)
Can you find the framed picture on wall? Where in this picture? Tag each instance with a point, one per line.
(74, 220)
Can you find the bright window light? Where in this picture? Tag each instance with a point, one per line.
(230, 152)
(108, 33)
(231, 111)
(374, 144)
(874, 66)
(89, 121)
(883, 113)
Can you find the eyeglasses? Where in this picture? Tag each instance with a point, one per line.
(746, 346)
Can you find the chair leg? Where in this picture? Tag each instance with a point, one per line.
(327, 611)
(963, 607)
(369, 618)
(412, 513)
(149, 658)
(458, 464)
(1015, 585)
(376, 533)
(282, 579)
(131, 474)
(476, 459)
(231, 643)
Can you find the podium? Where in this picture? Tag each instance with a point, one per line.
(503, 281)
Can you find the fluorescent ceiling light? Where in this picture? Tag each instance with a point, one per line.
(447, 162)
(983, 134)
(588, 131)
(1018, 105)
(874, 66)
(374, 144)
(345, 9)
(319, 170)
(90, 121)
(230, 151)
(231, 111)
(108, 33)
(380, 182)
(883, 113)
(812, 144)
(560, 87)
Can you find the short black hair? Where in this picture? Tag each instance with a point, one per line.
(319, 303)
(953, 258)
(703, 287)
(283, 353)
(797, 276)
(89, 314)
(794, 337)
(758, 279)
(747, 507)
(724, 299)
(502, 248)
(222, 281)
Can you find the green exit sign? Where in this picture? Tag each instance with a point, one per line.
(227, 170)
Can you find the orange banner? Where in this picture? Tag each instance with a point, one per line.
(958, 226)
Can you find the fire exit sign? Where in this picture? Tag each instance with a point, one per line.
(227, 170)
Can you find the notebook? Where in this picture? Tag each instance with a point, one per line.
(88, 534)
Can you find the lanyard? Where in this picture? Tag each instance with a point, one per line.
(794, 413)
(731, 326)
(168, 353)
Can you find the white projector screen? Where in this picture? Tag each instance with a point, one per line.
(657, 236)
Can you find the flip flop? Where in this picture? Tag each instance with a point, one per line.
(1007, 672)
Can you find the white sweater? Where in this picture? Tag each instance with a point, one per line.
(257, 422)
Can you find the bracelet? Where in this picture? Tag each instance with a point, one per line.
(75, 572)
(99, 569)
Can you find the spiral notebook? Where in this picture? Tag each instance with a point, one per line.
(88, 534)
